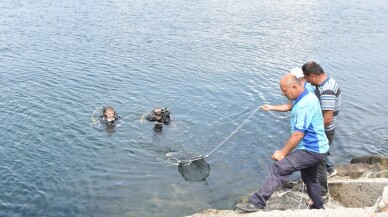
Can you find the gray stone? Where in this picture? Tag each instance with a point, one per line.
(372, 159)
(358, 170)
(358, 192)
(382, 205)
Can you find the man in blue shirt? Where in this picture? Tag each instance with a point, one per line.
(310, 144)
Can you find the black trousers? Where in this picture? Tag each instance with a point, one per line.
(300, 160)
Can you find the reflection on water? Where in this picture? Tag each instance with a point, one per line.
(212, 63)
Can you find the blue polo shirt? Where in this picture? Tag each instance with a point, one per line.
(309, 87)
(306, 117)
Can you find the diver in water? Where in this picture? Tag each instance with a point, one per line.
(160, 116)
(108, 117)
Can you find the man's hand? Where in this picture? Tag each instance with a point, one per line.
(266, 107)
(278, 155)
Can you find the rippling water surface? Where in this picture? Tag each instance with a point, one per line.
(212, 63)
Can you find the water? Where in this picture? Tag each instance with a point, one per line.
(210, 62)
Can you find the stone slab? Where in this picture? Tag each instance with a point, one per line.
(357, 192)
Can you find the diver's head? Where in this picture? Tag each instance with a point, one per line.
(158, 114)
(109, 114)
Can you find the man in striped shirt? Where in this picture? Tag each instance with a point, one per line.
(329, 94)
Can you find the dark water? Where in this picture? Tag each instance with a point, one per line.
(212, 63)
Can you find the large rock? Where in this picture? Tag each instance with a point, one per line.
(358, 170)
(372, 159)
(357, 192)
(284, 199)
(382, 204)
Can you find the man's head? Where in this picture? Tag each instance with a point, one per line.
(109, 113)
(291, 87)
(158, 113)
(313, 72)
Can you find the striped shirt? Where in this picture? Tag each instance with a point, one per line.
(329, 95)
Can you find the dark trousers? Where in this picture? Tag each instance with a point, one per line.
(322, 177)
(329, 164)
(325, 166)
(300, 160)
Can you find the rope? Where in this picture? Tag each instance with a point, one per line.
(301, 198)
(279, 116)
(383, 171)
(200, 157)
(176, 161)
(141, 118)
(232, 133)
(93, 119)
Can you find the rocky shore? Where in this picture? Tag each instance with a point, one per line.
(360, 189)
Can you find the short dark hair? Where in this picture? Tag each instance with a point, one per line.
(312, 68)
(107, 108)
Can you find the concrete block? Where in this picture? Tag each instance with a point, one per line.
(357, 192)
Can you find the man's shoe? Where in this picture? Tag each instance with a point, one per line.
(325, 198)
(248, 207)
(331, 173)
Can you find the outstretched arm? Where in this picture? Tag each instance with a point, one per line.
(280, 108)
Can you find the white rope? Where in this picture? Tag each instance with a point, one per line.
(381, 172)
(328, 192)
(93, 119)
(177, 161)
(142, 117)
(232, 133)
(301, 198)
(279, 116)
(206, 156)
(291, 198)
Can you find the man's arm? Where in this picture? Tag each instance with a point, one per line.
(280, 108)
(291, 143)
(327, 117)
(327, 100)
